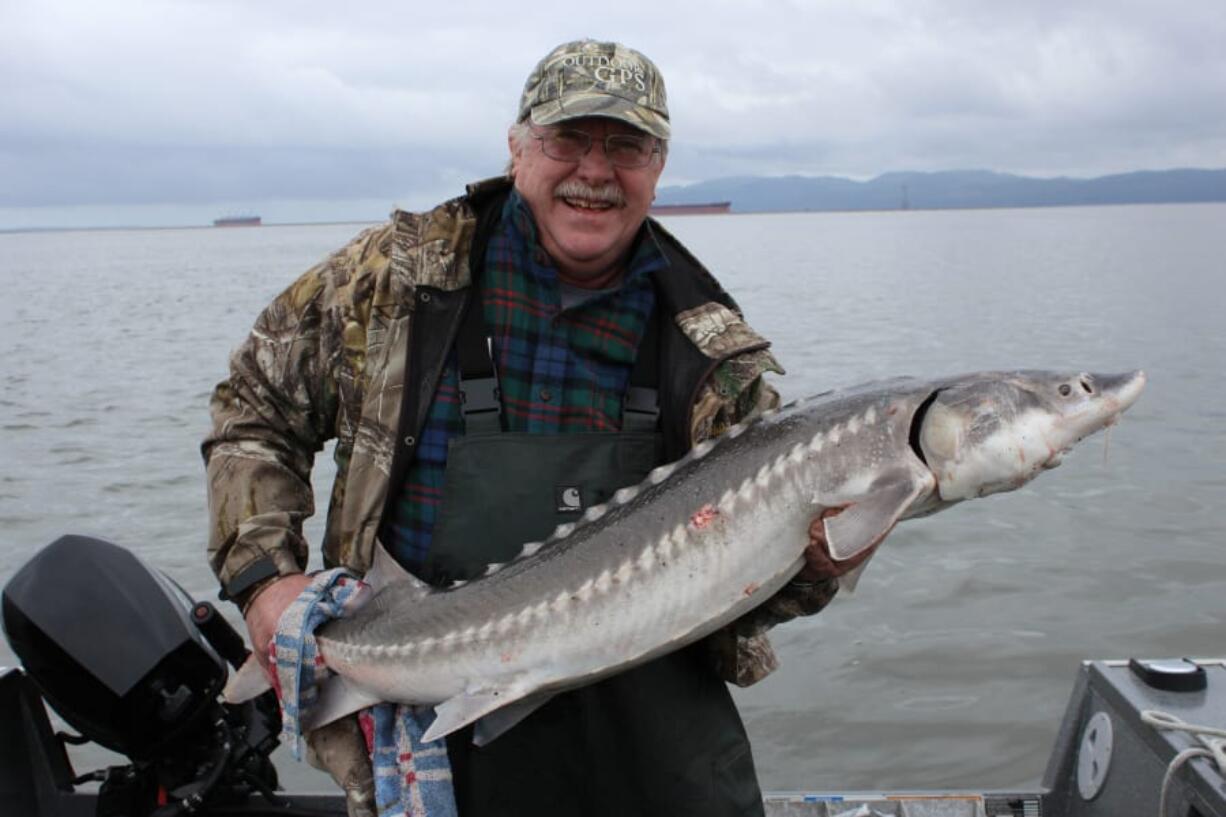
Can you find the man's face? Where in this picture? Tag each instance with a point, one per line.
(585, 235)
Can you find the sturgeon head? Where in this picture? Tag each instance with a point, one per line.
(995, 432)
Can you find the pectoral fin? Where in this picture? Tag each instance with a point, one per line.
(849, 580)
(866, 520)
(385, 570)
(246, 682)
(500, 720)
(461, 710)
(337, 698)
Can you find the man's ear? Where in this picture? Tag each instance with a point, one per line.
(658, 171)
(513, 164)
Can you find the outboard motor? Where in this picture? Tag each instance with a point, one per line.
(126, 658)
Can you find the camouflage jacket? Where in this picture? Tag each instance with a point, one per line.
(327, 359)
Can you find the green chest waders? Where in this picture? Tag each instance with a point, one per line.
(663, 738)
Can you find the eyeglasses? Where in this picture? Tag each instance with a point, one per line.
(623, 149)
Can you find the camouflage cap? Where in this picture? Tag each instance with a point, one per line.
(590, 78)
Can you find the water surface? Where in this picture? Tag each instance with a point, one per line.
(952, 662)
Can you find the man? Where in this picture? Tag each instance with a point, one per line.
(489, 369)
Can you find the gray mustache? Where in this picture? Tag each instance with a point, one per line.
(605, 194)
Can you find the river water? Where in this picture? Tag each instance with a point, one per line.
(952, 662)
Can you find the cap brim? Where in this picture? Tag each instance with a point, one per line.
(579, 105)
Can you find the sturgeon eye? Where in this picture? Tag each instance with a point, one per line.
(1065, 389)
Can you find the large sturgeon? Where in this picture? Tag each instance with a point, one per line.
(707, 538)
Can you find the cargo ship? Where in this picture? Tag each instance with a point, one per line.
(237, 221)
(703, 209)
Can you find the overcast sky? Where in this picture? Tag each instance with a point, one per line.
(162, 112)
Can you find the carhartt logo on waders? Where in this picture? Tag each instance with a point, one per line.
(568, 499)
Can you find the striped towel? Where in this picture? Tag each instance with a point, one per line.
(412, 779)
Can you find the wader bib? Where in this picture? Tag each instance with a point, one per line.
(663, 738)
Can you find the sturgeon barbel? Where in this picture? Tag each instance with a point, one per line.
(707, 538)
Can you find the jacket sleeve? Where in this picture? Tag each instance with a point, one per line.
(742, 652)
(270, 417)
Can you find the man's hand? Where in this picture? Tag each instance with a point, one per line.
(818, 563)
(266, 609)
(338, 748)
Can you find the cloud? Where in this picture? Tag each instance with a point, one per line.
(139, 101)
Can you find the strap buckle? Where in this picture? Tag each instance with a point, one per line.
(641, 409)
(479, 396)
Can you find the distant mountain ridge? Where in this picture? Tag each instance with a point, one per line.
(950, 189)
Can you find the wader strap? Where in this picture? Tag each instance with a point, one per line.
(480, 398)
(641, 409)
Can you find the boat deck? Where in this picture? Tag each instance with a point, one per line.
(1110, 759)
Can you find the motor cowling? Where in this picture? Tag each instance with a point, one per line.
(111, 645)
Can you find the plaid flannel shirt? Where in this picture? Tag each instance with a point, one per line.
(559, 370)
